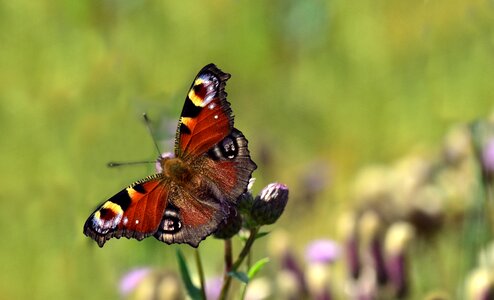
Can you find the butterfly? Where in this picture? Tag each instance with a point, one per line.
(197, 187)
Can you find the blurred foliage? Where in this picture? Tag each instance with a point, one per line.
(336, 84)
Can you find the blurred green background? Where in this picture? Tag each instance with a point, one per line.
(335, 84)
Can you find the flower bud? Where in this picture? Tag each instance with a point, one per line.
(348, 230)
(230, 225)
(370, 227)
(270, 203)
(480, 284)
(259, 288)
(398, 238)
(318, 280)
(288, 285)
(488, 156)
(244, 202)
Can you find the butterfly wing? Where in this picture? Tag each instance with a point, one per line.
(195, 210)
(210, 150)
(206, 116)
(218, 157)
(190, 216)
(134, 212)
(206, 138)
(228, 166)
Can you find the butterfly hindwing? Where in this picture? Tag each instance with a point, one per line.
(195, 211)
(228, 165)
(134, 212)
(190, 216)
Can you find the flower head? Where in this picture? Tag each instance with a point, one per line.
(488, 156)
(132, 279)
(270, 203)
(322, 251)
(213, 287)
(245, 201)
(144, 283)
(230, 225)
(480, 284)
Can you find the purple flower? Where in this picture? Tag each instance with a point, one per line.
(213, 288)
(132, 279)
(322, 251)
(488, 156)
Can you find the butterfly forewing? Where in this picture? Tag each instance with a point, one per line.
(134, 212)
(206, 116)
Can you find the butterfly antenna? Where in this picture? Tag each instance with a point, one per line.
(148, 125)
(113, 164)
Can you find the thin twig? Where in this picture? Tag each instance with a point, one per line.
(228, 256)
(201, 273)
(244, 292)
(249, 260)
(246, 249)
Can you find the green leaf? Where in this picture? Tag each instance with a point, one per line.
(241, 276)
(261, 234)
(257, 267)
(192, 290)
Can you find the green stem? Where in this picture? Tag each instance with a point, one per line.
(243, 254)
(249, 260)
(244, 292)
(246, 249)
(228, 256)
(200, 270)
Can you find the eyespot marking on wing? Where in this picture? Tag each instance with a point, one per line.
(204, 90)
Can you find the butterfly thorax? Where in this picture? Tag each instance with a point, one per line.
(176, 169)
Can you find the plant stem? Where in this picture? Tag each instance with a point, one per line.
(201, 273)
(244, 292)
(249, 260)
(246, 250)
(243, 254)
(228, 256)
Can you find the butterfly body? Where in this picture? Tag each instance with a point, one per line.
(176, 170)
(196, 188)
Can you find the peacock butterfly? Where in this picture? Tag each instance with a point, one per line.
(197, 187)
